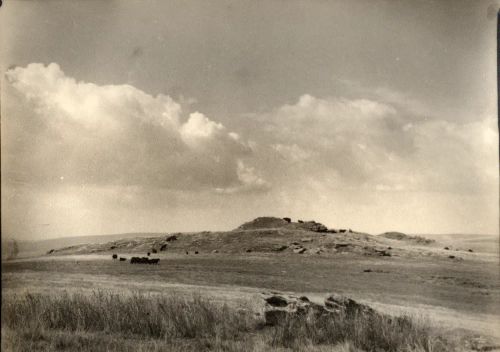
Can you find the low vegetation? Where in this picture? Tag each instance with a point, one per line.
(105, 321)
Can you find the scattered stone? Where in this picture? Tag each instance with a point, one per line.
(215, 251)
(389, 248)
(341, 304)
(171, 238)
(154, 250)
(367, 270)
(299, 250)
(470, 250)
(248, 250)
(451, 256)
(112, 247)
(342, 230)
(280, 248)
(50, 252)
(306, 239)
(195, 252)
(447, 248)
(331, 231)
(300, 221)
(163, 247)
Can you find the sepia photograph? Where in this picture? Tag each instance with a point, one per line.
(250, 175)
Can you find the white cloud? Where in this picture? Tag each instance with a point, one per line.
(83, 133)
(366, 144)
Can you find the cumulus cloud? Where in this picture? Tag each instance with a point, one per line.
(366, 144)
(83, 133)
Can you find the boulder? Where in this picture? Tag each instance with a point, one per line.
(171, 238)
(215, 251)
(306, 239)
(280, 248)
(299, 250)
(340, 304)
(279, 307)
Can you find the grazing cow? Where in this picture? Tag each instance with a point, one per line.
(149, 254)
(187, 253)
(287, 219)
(122, 259)
(115, 256)
(248, 250)
(171, 238)
(447, 248)
(196, 252)
(470, 250)
(300, 221)
(154, 250)
(154, 261)
(342, 230)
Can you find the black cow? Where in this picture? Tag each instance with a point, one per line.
(122, 259)
(154, 250)
(196, 252)
(115, 256)
(149, 254)
(154, 261)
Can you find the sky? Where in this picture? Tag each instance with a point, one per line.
(156, 116)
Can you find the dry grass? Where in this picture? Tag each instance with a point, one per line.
(105, 321)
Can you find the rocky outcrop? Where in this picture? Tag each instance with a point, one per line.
(279, 307)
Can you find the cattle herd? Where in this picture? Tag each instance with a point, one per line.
(138, 260)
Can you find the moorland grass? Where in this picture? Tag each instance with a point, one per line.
(104, 321)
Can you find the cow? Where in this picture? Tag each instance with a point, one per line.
(149, 254)
(163, 247)
(187, 253)
(123, 259)
(154, 250)
(196, 252)
(154, 261)
(287, 220)
(171, 238)
(115, 256)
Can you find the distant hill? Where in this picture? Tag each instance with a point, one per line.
(40, 247)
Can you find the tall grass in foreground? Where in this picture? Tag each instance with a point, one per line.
(105, 321)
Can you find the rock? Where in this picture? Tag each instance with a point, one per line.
(287, 220)
(447, 248)
(342, 230)
(114, 256)
(50, 252)
(470, 250)
(367, 270)
(280, 248)
(248, 250)
(154, 250)
(277, 301)
(331, 231)
(306, 239)
(341, 304)
(171, 238)
(163, 247)
(215, 251)
(279, 307)
(299, 250)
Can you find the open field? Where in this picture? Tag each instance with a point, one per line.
(459, 297)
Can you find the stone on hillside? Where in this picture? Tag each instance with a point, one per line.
(341, 304)
(306, 239)
(299, 250)
(280, 248)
